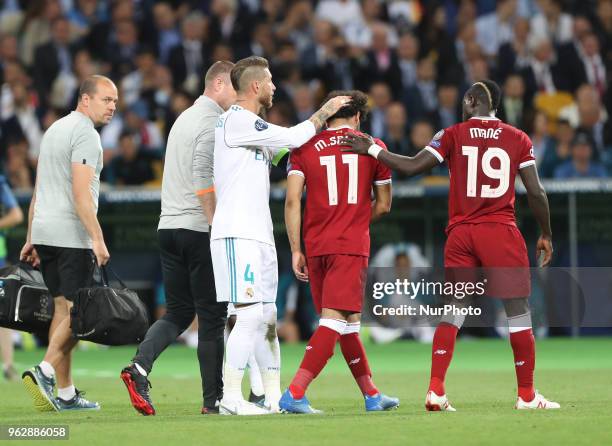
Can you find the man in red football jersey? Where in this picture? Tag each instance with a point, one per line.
(483, 156)
(337, 244)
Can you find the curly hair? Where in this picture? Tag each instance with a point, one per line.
(359, 104)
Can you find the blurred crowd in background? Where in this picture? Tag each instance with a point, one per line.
(414, 58)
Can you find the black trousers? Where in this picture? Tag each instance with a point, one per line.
(190, 290)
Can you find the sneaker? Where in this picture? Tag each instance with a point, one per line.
(538, 402)
(41, 388)
(10, 373)
(241, 407)
(288, 404)
(257, 399)
(436, 403)
(138, 388)
(380, 402)
(77, 402)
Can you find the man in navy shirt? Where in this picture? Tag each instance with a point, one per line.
(581, 164)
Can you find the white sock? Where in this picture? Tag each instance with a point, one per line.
(338, 325)
(519, 323)
(67, 393)
(352, 327)
(239, 348)
(47, 369)
(267, 354)
(142, 371)
(255, 377)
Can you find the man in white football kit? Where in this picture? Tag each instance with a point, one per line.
(242, 242)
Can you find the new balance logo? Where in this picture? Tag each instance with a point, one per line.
(354, 361)
(519, 363)
(440, 352)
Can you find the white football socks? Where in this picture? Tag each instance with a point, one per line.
(255, 377)
(519, 323)
(267, 354)
(67, 393)
(47, 369)
(239, 347)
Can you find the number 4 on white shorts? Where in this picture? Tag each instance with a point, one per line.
(249, 276)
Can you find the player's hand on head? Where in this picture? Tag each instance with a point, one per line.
(358, 143)
(101, 252)
(544, 249)
(298, 262)
(335, 104)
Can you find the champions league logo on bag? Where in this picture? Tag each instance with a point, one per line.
(44, 301)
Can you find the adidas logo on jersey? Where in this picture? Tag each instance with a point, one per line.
(440, 352)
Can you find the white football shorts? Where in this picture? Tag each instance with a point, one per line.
(246, 271)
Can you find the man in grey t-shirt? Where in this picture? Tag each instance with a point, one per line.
(64, 235)
(188, 205)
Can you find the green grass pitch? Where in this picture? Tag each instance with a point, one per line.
(480, 383)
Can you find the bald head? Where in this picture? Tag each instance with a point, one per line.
(90, 85)
(98, 99)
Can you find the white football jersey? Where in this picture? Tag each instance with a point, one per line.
(245, 148)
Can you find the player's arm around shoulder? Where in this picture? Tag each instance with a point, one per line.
(293, 222)
(410, 166)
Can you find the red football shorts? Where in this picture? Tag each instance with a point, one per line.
(492, 251)
(337, 281)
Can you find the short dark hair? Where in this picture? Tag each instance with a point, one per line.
(242, 71)
(359, 104)
(488, 92)
(90, 85)
(218, 68)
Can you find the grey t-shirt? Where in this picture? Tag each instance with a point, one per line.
(188, 168)
(71, 139)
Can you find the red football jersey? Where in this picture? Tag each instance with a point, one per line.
(338, 194)
(483, 157)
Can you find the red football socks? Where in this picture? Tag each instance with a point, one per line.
(357, 360)
(320, 348)
(441, 355)
(523, 347)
